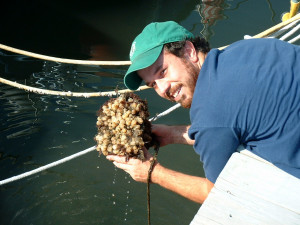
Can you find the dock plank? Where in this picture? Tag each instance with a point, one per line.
(250, 190)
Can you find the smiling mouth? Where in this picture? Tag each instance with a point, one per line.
(175, 93)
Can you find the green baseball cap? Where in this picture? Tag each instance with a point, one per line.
(147, 46)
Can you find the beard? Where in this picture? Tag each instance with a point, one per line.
(193, 73)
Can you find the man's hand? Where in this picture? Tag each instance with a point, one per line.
(190, 187)
(137, 168)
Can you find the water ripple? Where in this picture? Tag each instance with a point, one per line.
(18, 113)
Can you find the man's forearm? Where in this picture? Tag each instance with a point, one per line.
(180, 135)
(190, 187)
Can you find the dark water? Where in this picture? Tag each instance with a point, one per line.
(39, 129)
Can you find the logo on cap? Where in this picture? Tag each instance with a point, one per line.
(132, 50)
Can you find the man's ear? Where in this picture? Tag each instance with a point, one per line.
(190, 52)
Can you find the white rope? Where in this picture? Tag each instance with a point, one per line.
(67, 93)
(61, 60)
(42, 168)
(165, 112)
(66, 159)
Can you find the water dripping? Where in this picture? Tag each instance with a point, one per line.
(115, 174)
(113, 196)
(127, 209)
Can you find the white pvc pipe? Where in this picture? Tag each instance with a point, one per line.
(291, 32)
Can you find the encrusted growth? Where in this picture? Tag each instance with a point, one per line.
(123, 126)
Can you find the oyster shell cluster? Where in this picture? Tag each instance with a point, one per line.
(123, 126)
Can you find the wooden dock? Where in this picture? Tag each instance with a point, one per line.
(252, 191)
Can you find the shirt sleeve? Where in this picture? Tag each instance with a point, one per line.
(215, 145)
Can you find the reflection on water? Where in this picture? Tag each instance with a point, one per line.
(210, 11)
(18, 113)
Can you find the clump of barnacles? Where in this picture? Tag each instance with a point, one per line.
(123, 126)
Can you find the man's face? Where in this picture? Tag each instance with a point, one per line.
(173, 78)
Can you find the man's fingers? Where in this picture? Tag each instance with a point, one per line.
(115, 158)
(122, 159)
(136, 168)
(121, 166)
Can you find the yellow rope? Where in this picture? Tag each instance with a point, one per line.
(277, 27)
(61, 60)
(66, 93)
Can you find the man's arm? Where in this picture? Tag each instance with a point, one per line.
(171, 134)
(191, 187)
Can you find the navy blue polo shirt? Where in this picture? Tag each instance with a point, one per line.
(248, 94)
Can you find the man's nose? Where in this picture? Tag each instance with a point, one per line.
(163, 85)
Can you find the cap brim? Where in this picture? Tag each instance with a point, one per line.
(131, 79)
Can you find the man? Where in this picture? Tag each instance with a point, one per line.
(247, 94)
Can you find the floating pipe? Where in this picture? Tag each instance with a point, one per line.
(295, 4)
